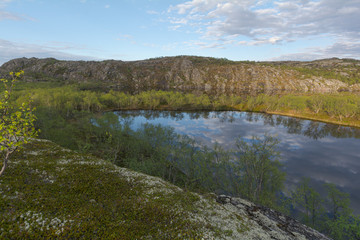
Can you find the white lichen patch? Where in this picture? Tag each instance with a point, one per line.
(95, 163)
(66, 150)
(22, 162)
(45, 176)
(10, 197)
(235, 222)
(41, 140)
(60, 169)
(64, 161)
(34, 153)
(221, 217)
(32, 219)
(154, 185)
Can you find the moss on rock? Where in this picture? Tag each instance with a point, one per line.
(49, 192)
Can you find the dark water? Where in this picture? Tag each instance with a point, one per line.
(326, 153)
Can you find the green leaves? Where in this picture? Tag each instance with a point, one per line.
(258, 168)
(331, 215)
(16, 125)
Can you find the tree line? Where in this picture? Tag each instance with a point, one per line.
(340, 107)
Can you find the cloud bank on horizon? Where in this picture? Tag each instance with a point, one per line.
(138, 29)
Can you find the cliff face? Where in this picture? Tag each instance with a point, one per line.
(193, 73)
(51, 192)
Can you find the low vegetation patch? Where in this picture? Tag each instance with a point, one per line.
(49, 192)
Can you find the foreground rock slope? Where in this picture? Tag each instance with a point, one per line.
(187, 73)
(49, 192)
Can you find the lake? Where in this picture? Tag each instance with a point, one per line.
(325, 153)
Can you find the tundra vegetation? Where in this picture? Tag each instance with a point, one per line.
(69, 115)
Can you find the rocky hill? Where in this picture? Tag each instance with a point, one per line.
(49, 192)
(189, 73)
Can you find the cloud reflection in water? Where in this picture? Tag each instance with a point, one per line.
(326, 153)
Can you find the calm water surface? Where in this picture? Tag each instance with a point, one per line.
(326, 153)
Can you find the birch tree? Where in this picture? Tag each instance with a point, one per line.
(16, 124)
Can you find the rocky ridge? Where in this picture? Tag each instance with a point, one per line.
(188, 73)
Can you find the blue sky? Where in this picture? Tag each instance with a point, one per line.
(139, 29)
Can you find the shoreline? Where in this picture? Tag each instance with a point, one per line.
(356, 125)
(287, 114)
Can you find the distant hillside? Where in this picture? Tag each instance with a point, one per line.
(49, 192)
(188, 73)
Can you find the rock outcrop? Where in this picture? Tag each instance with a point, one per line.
(188, 73)
(277, 225)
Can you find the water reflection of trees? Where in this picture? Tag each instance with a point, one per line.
(175, 115)
(311, 129)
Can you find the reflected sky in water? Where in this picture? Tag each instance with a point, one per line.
(326, 153)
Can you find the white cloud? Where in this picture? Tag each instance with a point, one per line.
(271, 40)
(340, 49)
(5, 14)
(107, 6)
(10, 50)
(195, 6)
(9, 16)
(205, 45)
(179, 21)
(272, 22)
(175, 27)
(126, 37)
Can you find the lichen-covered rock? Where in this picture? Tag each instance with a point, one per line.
(276, 224)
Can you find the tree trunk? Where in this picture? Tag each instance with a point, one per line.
(5, 163)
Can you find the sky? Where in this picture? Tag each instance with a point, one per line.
(255, 30)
